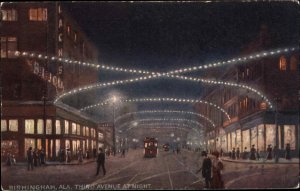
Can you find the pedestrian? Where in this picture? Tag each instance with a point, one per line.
(68, 156)
(221, 152)
(217, 166)
(101, 161)
(35, 158)
(257, 154)
(206, 169)
(42, 157)
(252, 153)
(13, 160)
(269, 152)
(88, 154)
(288, 152)
(238, 153)
(123, 153)
(276, 154)
(63, 155)
(233, 154)
(8, 160)
(230, 154)
(30, 159)
(245, 153)
(94, 152)
(80, 156)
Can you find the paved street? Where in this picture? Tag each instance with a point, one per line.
(167, 171)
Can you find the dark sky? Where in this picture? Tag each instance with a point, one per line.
(169, 35)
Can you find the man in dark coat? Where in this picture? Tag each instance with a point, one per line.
(101, 161)
(288, 152)
(30, 158)
(252, 153)
(206, 169)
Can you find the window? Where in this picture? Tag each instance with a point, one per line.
(29, 126)
(293, 63)
(9, 15)
(29, 143)
(100, 136)
(73, 128)
(83, 131)
(3, 125)
(13, 125)
(57, 127)
(87, 131)
(40, 126)
(282, 63)
(78, 129)
(48, 126)
(38, 14)
(66, 127)
(8, 47)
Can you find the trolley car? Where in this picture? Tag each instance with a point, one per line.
(150, 146)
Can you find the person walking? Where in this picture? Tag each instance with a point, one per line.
(257, 154)
(206, 169)
(80, 156)
(276, 154)
(233, 154)
(217, 166)
(269, 153)
(30, 159)
(101, 162)
(238, 153)
(252, 153)
(245, 153)
(288, 152)
(42, 157)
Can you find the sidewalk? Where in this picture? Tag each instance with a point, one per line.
(262, 161)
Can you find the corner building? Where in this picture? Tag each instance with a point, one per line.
(30, 84)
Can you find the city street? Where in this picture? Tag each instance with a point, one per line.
(168, 171)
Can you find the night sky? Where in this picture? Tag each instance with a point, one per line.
(170, 35)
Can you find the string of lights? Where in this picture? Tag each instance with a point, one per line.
(158, 99)
(166, 111)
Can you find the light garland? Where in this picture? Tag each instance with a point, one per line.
(166, 111)
(177, 100)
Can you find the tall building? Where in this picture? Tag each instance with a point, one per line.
(252, 121)
(31, 34)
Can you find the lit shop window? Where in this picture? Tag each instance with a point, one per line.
(100, 136)
(8, 47)
(87, 131)
(9, 15)
(78, 129)
(57, 127)
(282, 63)
(49, 127)
(38, 14)
(73, 128)
(29, 126)
(83, 130)
(3, 125)
(29, 143)
(66, 127)
(293, 63)
(40, 126)
(13, 125)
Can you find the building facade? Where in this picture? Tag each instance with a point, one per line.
(30, 83)
(252, 121)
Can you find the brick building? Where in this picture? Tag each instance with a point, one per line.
(252, 121)
(29, 85)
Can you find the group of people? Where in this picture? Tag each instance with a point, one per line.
(11, 160)
(254, 154)
(212, 170)
(35, 158)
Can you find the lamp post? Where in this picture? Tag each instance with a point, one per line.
(277, 99)
(114, 99)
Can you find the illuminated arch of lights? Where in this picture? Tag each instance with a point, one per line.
(177, 100)
(166, 111)
(169, 123)
(168, 120)
(164, 127)
(178, 71)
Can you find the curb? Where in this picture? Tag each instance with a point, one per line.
(257, 162)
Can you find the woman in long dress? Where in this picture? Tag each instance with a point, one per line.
(217, 167)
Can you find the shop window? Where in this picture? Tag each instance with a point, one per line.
(3, 125)
(13, 125)
(40, 126)
(57, 127)
(293, 63)
(8, 47)
(38, 14)
(83, 131)
(66, 127)
(29, 126)
(9, 15)
(74, 128)
(87, 131)
(78, 129)
(282, 63)
(48, 126)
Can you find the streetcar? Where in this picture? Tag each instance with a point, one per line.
(150, 147)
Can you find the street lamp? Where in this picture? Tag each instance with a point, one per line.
(114, 99)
